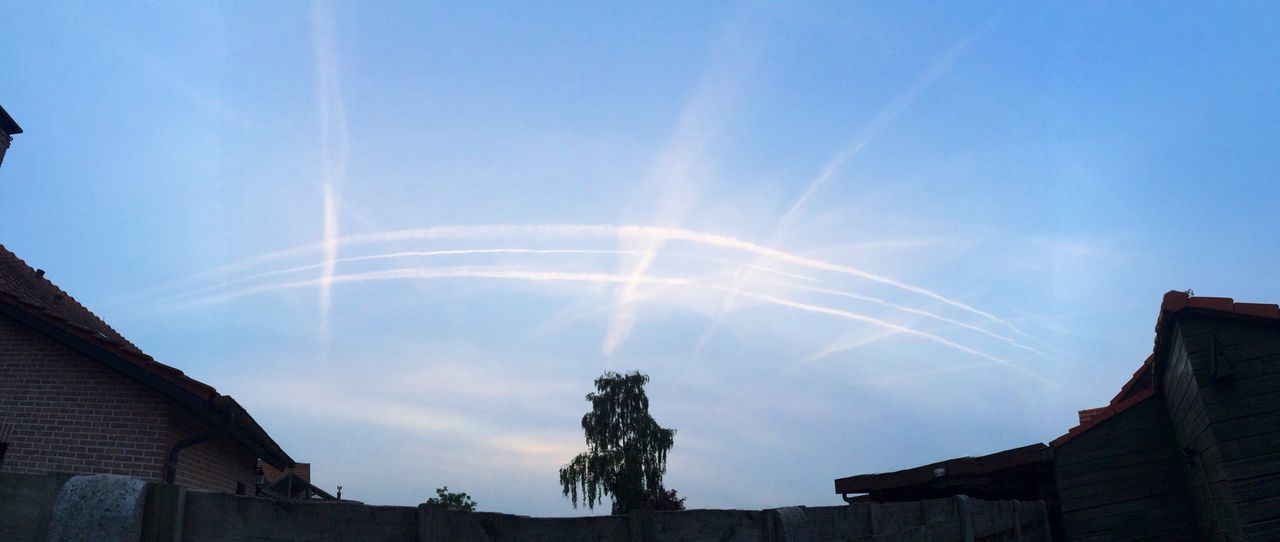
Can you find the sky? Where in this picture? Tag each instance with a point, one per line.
(839, 237)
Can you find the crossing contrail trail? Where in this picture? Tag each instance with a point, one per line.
(868, 133)
(334, 146)
(421, 273)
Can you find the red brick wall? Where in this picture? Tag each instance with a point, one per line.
(72, 414)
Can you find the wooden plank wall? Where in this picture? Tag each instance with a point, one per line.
(1242, 405)
(1122, 480)
(1209, 489)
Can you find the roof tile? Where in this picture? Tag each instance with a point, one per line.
(1174, 301)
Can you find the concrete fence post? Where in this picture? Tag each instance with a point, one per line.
(98, 508)
(964, 506)
(433, 523)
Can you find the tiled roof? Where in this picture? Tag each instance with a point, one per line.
(31, 295)
(272, 474)
(1142, 385)
(26, 287)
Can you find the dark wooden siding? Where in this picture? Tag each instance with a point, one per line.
(1236, 365)
(1122, 479)
(1208, 488)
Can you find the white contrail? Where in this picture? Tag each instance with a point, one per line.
(607, 231)
(840, 345)
(889, 325)
(559, 276)
(919, 312)
(333, 151)
(461, 252)
(434, 273)
(677, 234)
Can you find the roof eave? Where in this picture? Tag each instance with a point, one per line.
(7, 124)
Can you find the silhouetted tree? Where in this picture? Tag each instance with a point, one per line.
(626, 449)
(453, 500)
(666, 501)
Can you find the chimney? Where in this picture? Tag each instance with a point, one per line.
(7, 130)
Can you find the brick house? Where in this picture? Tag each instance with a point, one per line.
(77, 397)
(1189, 449)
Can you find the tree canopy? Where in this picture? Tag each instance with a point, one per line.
(453, 500)
(626, 453)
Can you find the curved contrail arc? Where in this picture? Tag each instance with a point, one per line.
(420, 273)
(607, 231)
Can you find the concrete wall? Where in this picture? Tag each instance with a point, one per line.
(210, 516)
(172, 514)
(26, 504)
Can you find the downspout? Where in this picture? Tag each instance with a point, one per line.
(171, 464)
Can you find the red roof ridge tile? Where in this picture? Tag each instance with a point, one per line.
(1105, 414)
(1175, 301)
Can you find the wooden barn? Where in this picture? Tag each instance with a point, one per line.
(1189, 449)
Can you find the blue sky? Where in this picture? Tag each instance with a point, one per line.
(841, 238)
